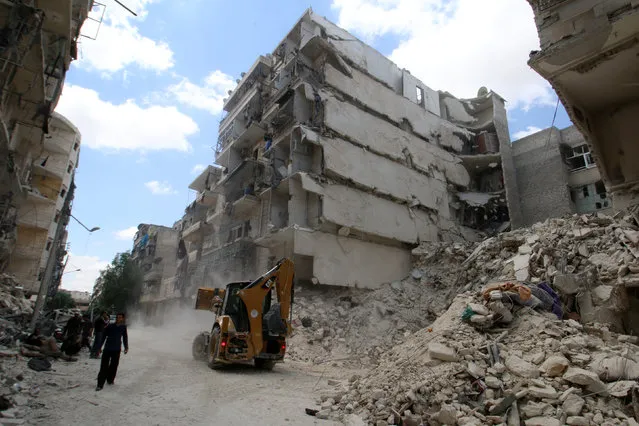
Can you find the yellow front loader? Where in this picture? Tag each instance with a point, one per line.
(252, 320)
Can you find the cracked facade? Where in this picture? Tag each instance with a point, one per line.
(333, 156)
(38, 148)
(589, 51)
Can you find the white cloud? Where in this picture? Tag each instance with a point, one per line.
(160, 188)
(209, 96)
(527, 132)
(125, 126)
(83, 280)
(119, 43)
(197, 169)
(126, 234)
(457, 46)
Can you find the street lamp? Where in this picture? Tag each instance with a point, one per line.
(75, 270)
(95, 228)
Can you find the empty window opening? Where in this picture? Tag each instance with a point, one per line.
(419, 91)
(48, 247)
(57, 216)
(76, 146)
(70, 168)
(63, 191)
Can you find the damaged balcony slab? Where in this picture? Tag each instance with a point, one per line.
(246, 139)
(245, 206)
(382, 137)
(367, 213)
(348, 161)
(477, 199)
(397, 108)
(480, 162)
(344, 261)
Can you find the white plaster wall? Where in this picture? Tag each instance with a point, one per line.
(383, 100)
(349, 262)
(370, 214)
(362, 55)
(386, 176)
(382, 137)
(431, 101)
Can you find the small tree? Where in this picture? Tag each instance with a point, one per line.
(119, 285)
(61, 300)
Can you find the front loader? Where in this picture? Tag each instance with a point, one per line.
(252, 320)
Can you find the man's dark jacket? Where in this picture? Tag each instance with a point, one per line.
(114, 336)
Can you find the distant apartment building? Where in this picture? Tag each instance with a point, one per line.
(82, 299)
(48, 192)
(155, 252)
(589, 54)
(557, 175)
(333, 156)
(40, 39)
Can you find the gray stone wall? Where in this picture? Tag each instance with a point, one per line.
(542, 178)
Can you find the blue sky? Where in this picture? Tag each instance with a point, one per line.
(147, 93)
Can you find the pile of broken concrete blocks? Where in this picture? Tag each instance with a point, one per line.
(540, 371)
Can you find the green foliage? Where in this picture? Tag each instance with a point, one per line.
(119, 285)
(61, 300)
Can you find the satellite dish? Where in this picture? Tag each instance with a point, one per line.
(483, 91)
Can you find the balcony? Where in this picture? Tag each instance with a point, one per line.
(258, 72)
(246, 138)
(193, 232)
(245, 206)
(206, 179)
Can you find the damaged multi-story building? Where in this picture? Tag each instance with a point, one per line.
(590, 55)
(47, 206)
(155, 251)
(40, 39)
(333, 156)
(557, 175)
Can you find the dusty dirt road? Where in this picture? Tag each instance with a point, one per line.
(158, 383)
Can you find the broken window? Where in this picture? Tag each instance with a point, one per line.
(580, 158)
(419, 92)
(590, 198)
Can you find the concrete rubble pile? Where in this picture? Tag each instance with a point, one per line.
(539, 371)
(535, 334)
(15, 310)
(354, 326)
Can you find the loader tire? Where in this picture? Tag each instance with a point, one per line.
(264, 364)
(214, 349)
(200, 346)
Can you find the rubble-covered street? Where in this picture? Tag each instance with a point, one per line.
(529, 326)
(158, 383)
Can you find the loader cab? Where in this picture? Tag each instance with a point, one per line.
(234, 307)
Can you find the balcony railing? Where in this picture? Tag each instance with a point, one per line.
(543, 5)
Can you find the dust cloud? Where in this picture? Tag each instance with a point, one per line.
(172, 334)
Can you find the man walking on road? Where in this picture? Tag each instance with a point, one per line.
(98, 333)
(114, 336)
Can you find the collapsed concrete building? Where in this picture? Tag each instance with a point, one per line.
(556, 175)
(589, 54)
(334, 156)
(36, 165)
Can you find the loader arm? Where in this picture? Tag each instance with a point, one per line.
(254, 293)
